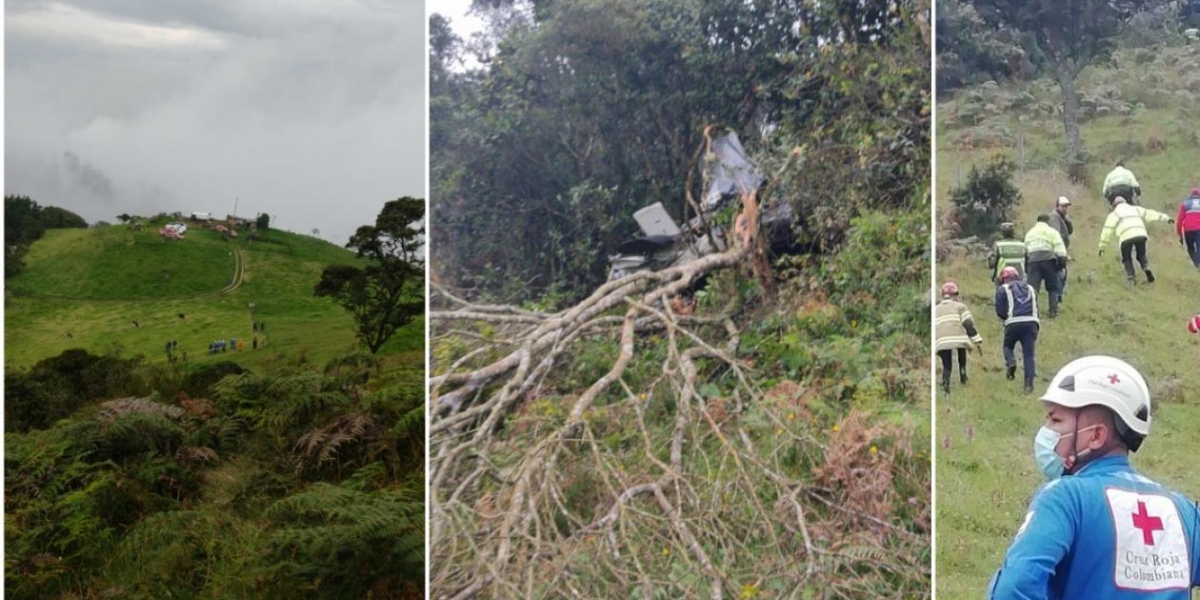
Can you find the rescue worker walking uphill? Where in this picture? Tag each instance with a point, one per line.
(1187, 226)
(1062, 224)
(1016, 305)
(1046, 259)
(1099, 529)
(1129, 222)
(1121, 182)
(955, 330)
(1007, 251)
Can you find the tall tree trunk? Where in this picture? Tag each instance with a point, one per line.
(1066, 84)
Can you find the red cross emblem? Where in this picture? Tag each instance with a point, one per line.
(1146, 523)
(1113, 379)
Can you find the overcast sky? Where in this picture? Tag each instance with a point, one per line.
(310, 110)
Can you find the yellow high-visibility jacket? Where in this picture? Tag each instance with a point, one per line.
(1128, 222)
(1043, 242)
(1119, 176)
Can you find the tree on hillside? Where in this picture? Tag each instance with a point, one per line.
(54, 217)
(263, 221)
(22, 221)
(969, 51)
(1071, 35)
(388, 293)
(125, 217)
(25, 222)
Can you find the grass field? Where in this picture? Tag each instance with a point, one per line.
(85, 288)
(986, 474)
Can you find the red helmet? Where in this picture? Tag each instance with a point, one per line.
(1194, 324)
(949, 289)
(1009, 274)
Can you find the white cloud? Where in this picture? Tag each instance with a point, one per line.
(65, 22)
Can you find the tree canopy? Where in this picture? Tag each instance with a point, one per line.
(387, 293)
(586, 111)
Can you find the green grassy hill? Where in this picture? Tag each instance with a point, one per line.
(85, 288)
(986, 474)
(299, 474)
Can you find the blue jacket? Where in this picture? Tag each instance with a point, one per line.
(1016, 302)
(1104, 533)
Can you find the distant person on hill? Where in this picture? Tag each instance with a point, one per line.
(1129, 222)
(955, 330)
(1187, 226)
(1062, 224)
(1007, 251)
(1016, 305)
(1047, 256)
(1098, 528)
(1121, 182)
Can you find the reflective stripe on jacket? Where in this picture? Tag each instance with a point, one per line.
(1128, 222)
(1188, 218)
(1016, 302)
(1043, 243)
(954, 326)
(1007, 253)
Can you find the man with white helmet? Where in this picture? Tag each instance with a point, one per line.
(1016, 305)
(954, 330)
(1098, 529)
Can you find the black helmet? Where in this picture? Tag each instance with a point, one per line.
(1006, 229)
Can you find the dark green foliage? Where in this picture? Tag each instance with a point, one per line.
(54, 217)
(263, 222)
(388, 293)
(57, 386)
(198, 382)
(969, 51)
(599, 107)
(987, 198)
(136, 498)
(353, 538)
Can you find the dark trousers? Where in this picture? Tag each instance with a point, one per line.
(1047, 271)
(1026, 334)
(1128, 248)
(1123, 191)
(1191, 239)
(948, 364)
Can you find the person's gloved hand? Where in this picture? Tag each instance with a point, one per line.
(979, 347)
(1170, 221)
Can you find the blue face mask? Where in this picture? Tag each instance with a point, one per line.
(1047, 459)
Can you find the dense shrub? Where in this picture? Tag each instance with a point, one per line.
(987, 199)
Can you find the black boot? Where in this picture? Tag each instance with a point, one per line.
(946, 385)
(1028, 387)
(1011, 373)
(1149, 276)
(962, 377)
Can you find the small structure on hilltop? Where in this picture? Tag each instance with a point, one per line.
(240, 222)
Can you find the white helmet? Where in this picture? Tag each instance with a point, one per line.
(1109, 382)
